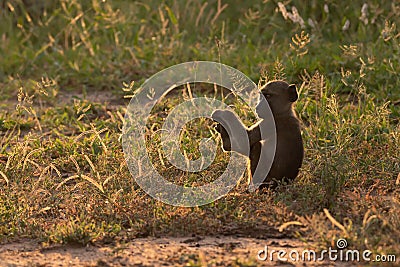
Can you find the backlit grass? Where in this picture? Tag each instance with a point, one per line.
(63, 177)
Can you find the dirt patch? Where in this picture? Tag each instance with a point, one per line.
(189, 251)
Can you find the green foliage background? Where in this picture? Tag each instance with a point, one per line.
(62, 171)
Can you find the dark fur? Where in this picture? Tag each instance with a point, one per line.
(289, 148)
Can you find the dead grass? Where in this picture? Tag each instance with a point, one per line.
(63, 177)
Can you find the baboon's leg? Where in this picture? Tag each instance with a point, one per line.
(255, 153)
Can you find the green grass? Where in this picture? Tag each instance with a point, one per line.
(63, 177)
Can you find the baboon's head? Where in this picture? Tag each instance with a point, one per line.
(280, 96)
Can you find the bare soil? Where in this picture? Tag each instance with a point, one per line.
(167, 251)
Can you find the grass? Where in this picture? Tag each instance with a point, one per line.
(63, 177)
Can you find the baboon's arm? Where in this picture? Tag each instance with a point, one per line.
(229, 118)
(254, 134)
(231, 126)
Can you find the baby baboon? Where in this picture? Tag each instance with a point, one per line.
(289, 147)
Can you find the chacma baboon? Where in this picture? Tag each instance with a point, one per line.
(289, 147)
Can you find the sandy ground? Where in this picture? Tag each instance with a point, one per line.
(190, 251)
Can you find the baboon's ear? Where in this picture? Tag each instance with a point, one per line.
(293, 96)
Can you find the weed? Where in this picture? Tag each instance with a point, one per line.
(63, 176)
